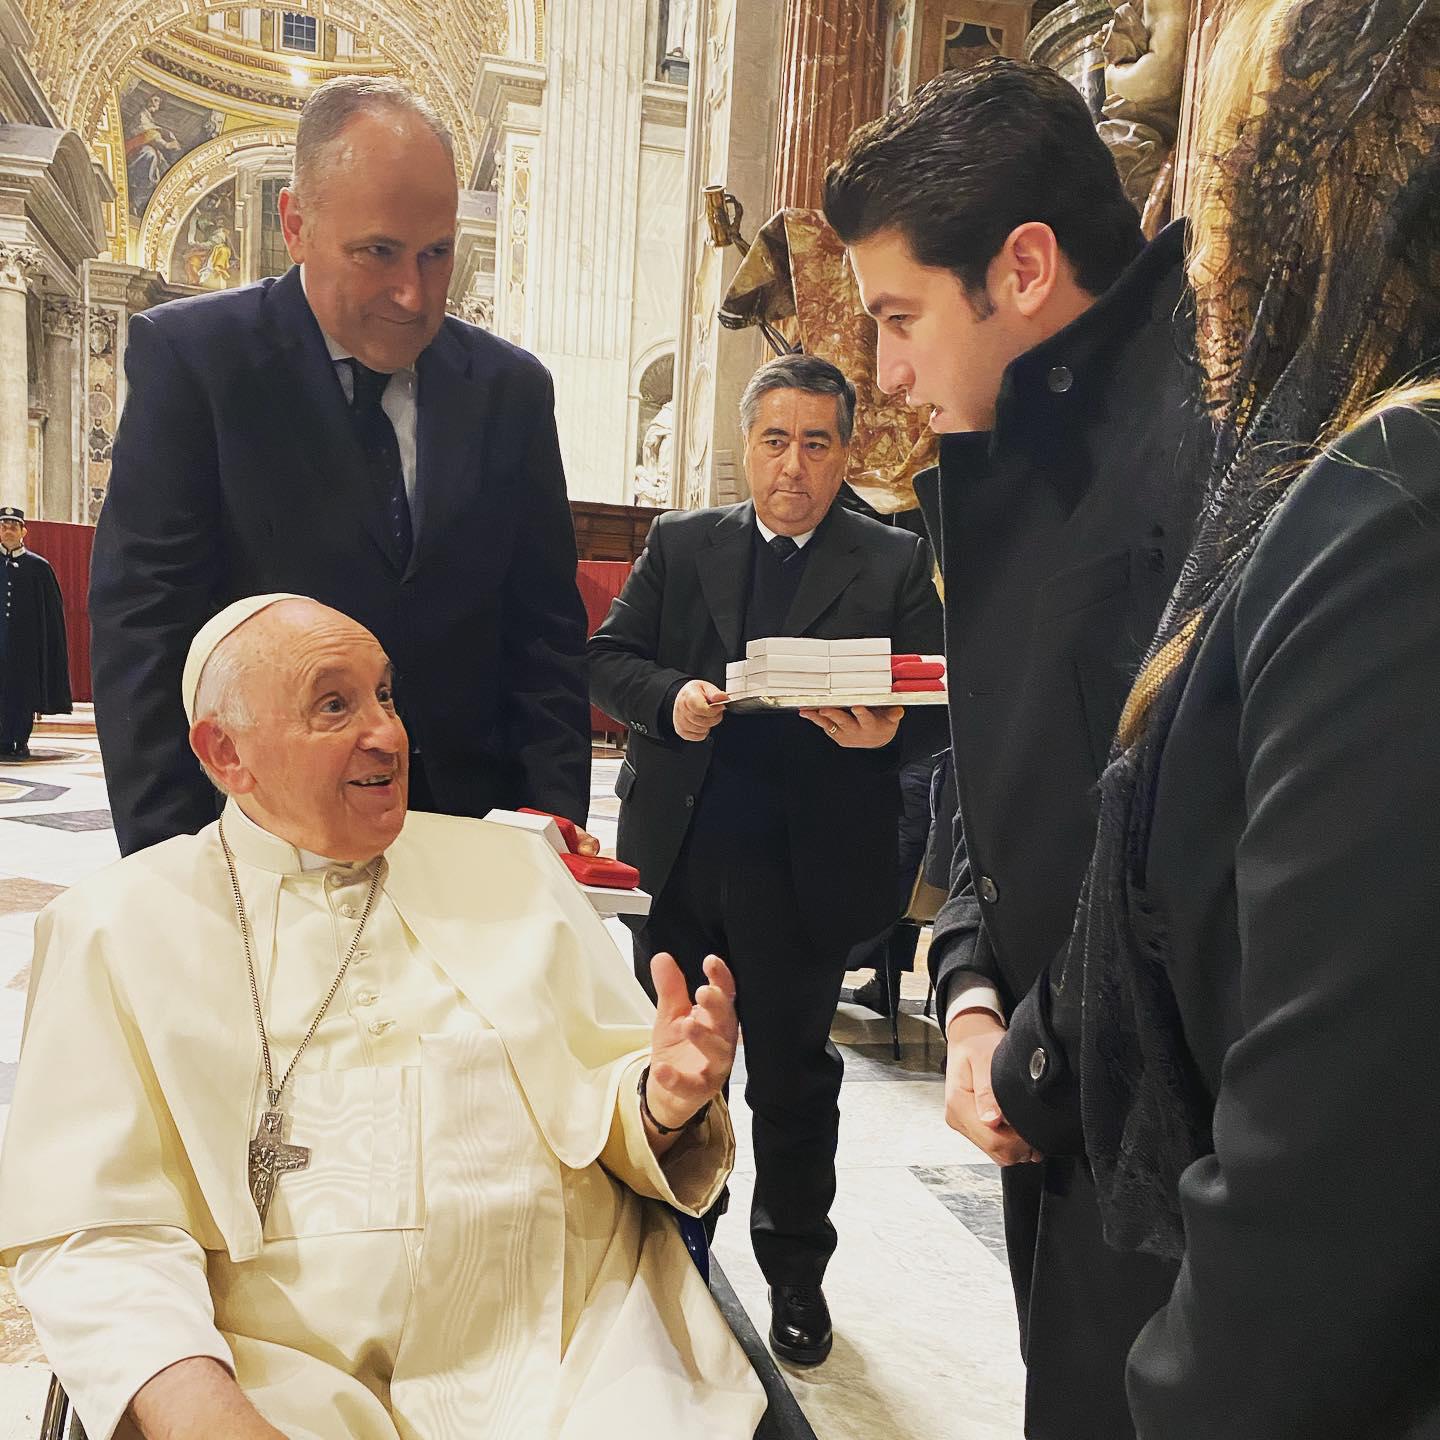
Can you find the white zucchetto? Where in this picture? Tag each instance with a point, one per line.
(212, 632)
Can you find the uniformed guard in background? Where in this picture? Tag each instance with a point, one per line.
(34, 658)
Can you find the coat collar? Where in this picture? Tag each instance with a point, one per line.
(1127, 306)
(723, 566)
(833, 558)
(1056, 386)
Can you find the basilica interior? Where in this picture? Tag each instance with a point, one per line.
(620, 162)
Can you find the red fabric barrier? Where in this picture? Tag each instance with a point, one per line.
(67, 548)
(600, 581)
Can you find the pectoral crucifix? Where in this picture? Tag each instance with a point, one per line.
(271, 1157)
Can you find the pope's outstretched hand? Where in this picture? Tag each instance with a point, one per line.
(692, 1047)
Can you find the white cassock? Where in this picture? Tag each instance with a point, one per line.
(474, 1249)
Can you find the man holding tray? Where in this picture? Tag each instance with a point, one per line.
(770, 837)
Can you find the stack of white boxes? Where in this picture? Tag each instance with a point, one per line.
(786, 665)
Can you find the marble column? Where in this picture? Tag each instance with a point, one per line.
(732, 127)
(60, 483)
(585, 213)
(832, 82)
(17, 263)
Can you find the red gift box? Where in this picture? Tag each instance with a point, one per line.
(917, 670)
(597, 870)
(569, 831)
(909, 687)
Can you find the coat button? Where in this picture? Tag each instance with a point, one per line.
(348, 911)
(1039, 1064)
(689, 802)
(988, 893)
(1060, 379)
(379, 1027)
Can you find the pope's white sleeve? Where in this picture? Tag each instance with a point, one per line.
(113, 1307)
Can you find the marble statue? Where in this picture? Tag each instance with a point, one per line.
(1144, 75)
(677, 28)
(652, 476)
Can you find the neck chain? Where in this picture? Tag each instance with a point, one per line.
(270, 1156)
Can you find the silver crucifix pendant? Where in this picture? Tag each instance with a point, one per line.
(271, 1157)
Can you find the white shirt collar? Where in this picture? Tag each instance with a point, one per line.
(16, 553)
(268, 851)
(767, 534)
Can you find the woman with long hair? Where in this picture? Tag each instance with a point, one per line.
(1253, 990)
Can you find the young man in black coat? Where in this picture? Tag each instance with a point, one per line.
(770, 839)
(1015, 297)
(333, 433)
(34, 654)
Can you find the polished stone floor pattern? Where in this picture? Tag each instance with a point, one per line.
(925, 1343)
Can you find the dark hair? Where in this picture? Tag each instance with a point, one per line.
(977, 153)
(801, 372)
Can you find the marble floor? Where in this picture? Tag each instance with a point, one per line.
(925, 1343)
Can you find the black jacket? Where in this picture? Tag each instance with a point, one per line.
(1060, 536)
(237, 471)
(680, 617)
(33, 646)
(1292, 871)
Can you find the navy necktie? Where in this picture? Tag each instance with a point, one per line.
(783, 548)
(382, 450)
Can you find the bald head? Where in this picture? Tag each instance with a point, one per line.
(295, 719)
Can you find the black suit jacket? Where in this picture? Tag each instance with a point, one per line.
(1292, 874)
(237, 471)
(680, 617)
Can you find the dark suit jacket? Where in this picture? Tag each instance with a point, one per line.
(1292, 871)
(680, 617)
(237, 471)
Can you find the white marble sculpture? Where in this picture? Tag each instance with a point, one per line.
(652, 475)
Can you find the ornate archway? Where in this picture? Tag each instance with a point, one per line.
(82, 49)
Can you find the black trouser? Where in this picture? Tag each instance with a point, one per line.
(738, 902)
(17, 720)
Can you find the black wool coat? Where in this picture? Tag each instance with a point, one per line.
(1060, 535)
(36, 668)
(1291, 869)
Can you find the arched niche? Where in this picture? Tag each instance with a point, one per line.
(250, 158)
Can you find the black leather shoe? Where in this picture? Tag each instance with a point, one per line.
(800, 1324)
(871, 995)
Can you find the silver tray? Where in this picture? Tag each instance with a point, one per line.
(841, 700)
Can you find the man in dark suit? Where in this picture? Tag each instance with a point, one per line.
(1016, 298)
(770, 839)
(334, 434)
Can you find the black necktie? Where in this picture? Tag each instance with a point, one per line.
(783, 548)
(382, 450)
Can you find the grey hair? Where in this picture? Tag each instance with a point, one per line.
(333, 105)
(801, 372)
(222, 693)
